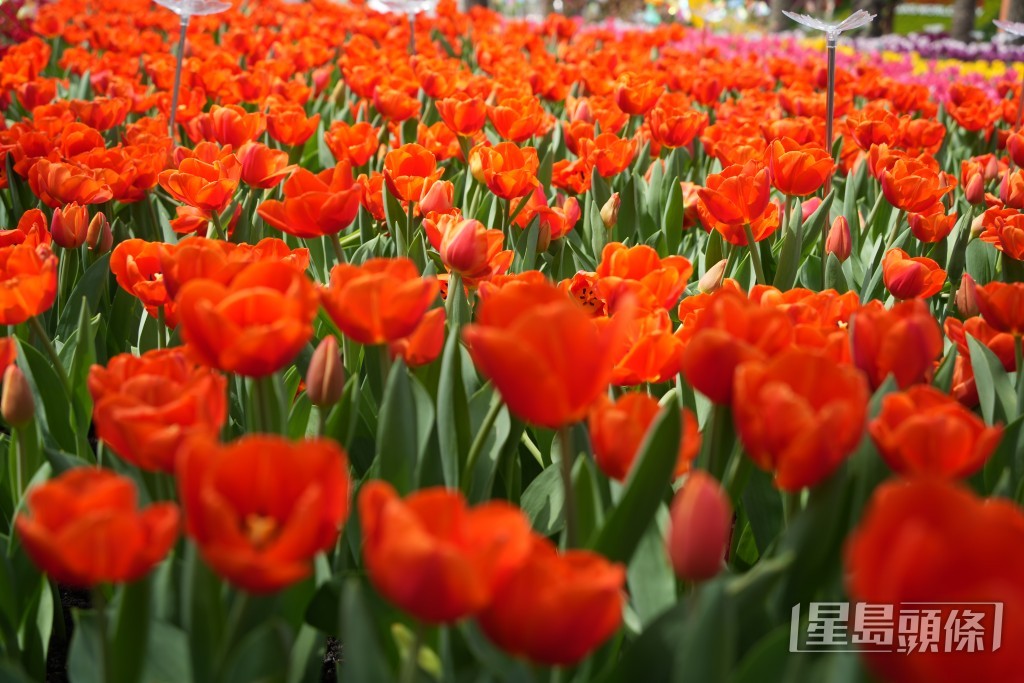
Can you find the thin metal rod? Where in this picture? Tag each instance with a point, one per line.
(1020, 105)
(177, 73)
(830, 103)
(412, 33)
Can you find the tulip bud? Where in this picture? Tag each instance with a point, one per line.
(16, 403)
(838, 241)
(338, 91)
(544, 238)
(809, 207)
(974, 192)
(581, 112)
(699, 528)
(610, 211)
(325, 379)
(977, 225)
(967, 297)
(437, 198)
(476, 166)
(69, 225)
(98, 236)
(992, 168)
(711, 281)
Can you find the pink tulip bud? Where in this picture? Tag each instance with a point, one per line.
(974, 192)
(16, 402)
(967, 297)
(808, 207)
(838, 241)
(700, 528)
(610, 211)
(437, 198)
(325, 379)
(711, 281)
(98, 235)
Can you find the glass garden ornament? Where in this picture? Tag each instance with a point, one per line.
(408, 7)
(1014, 28)
(186, 9)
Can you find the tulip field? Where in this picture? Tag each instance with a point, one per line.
(448, 347)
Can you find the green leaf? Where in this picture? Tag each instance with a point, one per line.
(130, 645)
(816, 223)
(767, 660)
(648, 482)
(543, 502)
(452, 411)
(48, 393)
(397, 433)
(364, 659)
(262, 655)
(652, 584)
(672, 218)
(995, 391)
(834, 277)
(89, 292)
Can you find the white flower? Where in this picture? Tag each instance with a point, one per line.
(855, 20)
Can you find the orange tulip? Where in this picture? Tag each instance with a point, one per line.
(1002, 306)
(912, 185)
(146, 407)
(797, 170)
(517, 119)
(462, 113)
(508, 170)
(261, 507)
(664, 278)
(700, 528)
(69, 226)
(206, 186)
(408, 169)
(904, 342)
(648, 351)
(315, 205)
(799, 415)
(730, 331)
(558, 607)
(227, 125)
(609, 154)
(137, 266)
(84, 528)
(1001, 344)
(263, 167)
(737, 195)
(394, 104)
(618, 428)
(468, 248)
(57, 184)
(675, 128)
(356, 143)
(32, 229)
(932, 227)
(426, 342)
(909, 277)
(637, 94)
(255, 325)
(433, 556)
(548, 358)
(381, 301)
(933, 541)
(28, 282)
(923, 431)
(289, 125)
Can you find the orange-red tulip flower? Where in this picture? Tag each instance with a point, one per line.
(462, 113)
(433, 556)
(700, 528)
(57, 184)
(903, 341)
(315, 205)
(254, 326)
(934, 226)
(546, 356)
(84, 528)
(381, 301)
(69, 226)
(468, 248)
(356, 142)
(425, 343)
(909, 277)
(558, 607)
(1002, 306)
(508, 170)
(797, 170)
(228, 125)
(737, 195)
(799, 415)
(260, 508)
(663, 278)
(912, 185)
(146, 407)
(931, 540)
(28, 282)
(263, 167)
(137, 266)
(618, 428)
(206, 186)
(290, 126)
(408, 169)
(923, 431)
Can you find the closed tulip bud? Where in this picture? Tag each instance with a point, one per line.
(69, 225)
(476, 165)
(98, 236)
(325, 380)
(543, 238)
(978, 225)
(581, 112)
(610, 211)
(967, 297)
(992, 168)
(711, 281)
(339, 90)
(16, 400)
(437, 198)
(699, 528)
(809, 207)
(974, 192)
(838, 240)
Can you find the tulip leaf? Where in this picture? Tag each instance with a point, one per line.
(672, 218)
(599, 188)
(767, 660)
(834, 277)
(652, 585)
(981, 261)
(90, 290)
(486, 469)
(365, 659)
(995, 391)
(648, 482)
(543, 502)
(453, 425)
(500, 665)
(789, 259)
(1007, 457)
(713, 250)
(50, 399)
(815, 223)
(203, 617)
(131, 633)
(262, 655)
(397, 431)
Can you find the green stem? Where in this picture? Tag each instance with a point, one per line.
(410, 663)
(477, 447)
(19, 463)
(791, 506)
(336, 244)
(51, 352)
(1018, 352)
(568, 456)
(713, 455)
(161, 329)
(234, 623)
(408, 228)
(755, 255)
(99, 603)
(218, 229)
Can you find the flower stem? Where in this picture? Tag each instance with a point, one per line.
(336, 244)
(51, 352)
(755, 255)
(218, 229)
(1018, 352)
(568, 456)
(410, 663)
